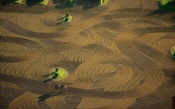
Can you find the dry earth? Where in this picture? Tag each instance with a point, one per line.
(117, 56)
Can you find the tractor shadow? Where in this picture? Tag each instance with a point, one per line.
(47, 96)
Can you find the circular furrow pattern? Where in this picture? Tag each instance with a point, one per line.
(134, 81)
(57, 102)
(90, 73)
(25, 101)
(122, 73)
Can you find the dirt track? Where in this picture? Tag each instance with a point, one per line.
(117, 56)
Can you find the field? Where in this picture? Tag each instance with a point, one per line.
(117, 56)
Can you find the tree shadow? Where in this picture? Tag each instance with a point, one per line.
(32, 2)
(162, 10)
(57, 1)
(6, 2)
(86, 4)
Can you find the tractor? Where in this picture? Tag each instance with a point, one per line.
(167, 4)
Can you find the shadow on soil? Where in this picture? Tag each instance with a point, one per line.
(86, 4)
(32, 2)
(169, 8)
(6, 2)
(47, 96)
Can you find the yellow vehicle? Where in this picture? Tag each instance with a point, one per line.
(17, 1)
(103, 2)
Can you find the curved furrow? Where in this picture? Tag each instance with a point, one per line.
(116, 61)
(70, 66)
(131, 4)
(112, 31)
(138, 25)
(155, 30)
(8, 94)
(103, 33)
(24, 32)
(30, 22)
(108, 43)
(73, 101)
(92, 72)
(13, 49)
(25, 70)
(155, 55)
(98, 48)
(21, 41)
(90, 33)
(132, 52)
(11, 59)
(25, 101)
(136, 80)
(49, 21)
(81, 55)
(145, 23)
(130, 12)
(82, 38)
(56, 47)
(57, 102)
(149, 4)
(168, 36)
(153, 72)
(43, 105)
(122, 76)
(102, 94)
(30, 85)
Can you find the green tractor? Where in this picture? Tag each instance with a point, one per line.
(67, 18)
(167, 4)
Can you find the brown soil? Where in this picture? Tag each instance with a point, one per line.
(118, 56)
